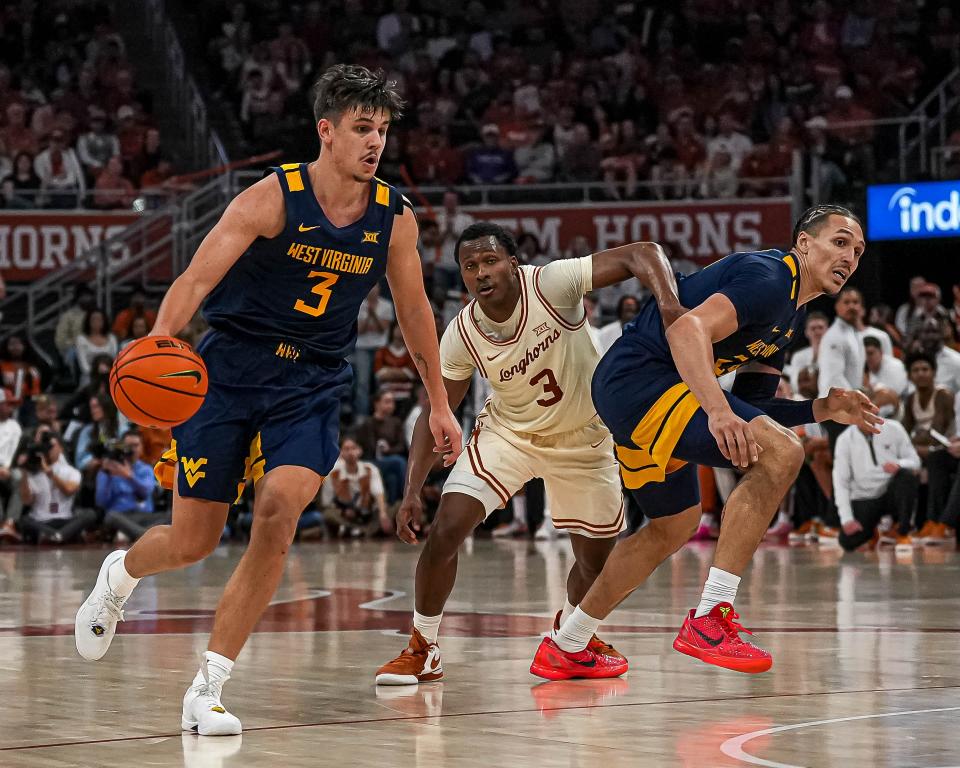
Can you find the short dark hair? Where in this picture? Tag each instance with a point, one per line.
(849, 289)
(815, 315)
(349, 86)
(487, 229)
(132, 432)
(872, 341)
(813, 219)
(918, 357)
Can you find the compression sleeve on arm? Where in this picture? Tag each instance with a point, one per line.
(759, 389)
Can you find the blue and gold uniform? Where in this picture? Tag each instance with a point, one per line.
(659, 428)
(283, 319)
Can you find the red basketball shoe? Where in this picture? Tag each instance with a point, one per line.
(554, 663)
(715, 639)
(596, 645)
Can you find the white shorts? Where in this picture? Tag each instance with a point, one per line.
(579, 471)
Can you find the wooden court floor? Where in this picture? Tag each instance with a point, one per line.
(865, 666)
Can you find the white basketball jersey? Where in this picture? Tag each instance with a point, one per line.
(539, 362)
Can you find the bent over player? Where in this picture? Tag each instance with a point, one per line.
(286, 269)
(657, 390)
(526, 333)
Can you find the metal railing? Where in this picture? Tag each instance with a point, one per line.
(933, 113)
(944, 161)
(180, 94)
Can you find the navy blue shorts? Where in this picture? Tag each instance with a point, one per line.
(261, 411)
(659, 428)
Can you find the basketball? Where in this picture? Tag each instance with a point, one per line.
(158, 381)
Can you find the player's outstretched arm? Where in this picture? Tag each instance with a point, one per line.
(415, 316)
(256, 212)
(691, 339)
(422, 457)
(649, 264)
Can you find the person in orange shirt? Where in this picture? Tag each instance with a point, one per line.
(137, 308)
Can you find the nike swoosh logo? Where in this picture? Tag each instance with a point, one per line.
(597, 445)
(432, 664)
(195, 375)
(714, 641)
(491, 359)
(591, 663)
(307, 229)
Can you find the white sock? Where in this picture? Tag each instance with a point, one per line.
(576, 631)
(428, 626)
(567, 610)
(120, 581)
(218, 668)
(520, 509)
(721, 587)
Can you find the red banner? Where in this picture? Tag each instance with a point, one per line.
(35, 243)
(701, 230)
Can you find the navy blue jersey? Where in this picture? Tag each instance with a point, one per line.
(301, 291)
(763, 287)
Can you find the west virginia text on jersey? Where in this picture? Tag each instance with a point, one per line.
(301, 291)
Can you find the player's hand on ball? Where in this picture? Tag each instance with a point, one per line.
(734, 438)
(447, 437)
(849, 406)
(409, 518)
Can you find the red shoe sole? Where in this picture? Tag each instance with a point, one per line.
(750, 666)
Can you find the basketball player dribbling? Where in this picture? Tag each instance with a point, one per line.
(525, 332)
(284, 272)
(657, 390)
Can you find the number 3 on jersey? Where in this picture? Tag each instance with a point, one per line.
(550, 387)
(322, 289)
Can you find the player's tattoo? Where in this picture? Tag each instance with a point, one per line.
(421, 363)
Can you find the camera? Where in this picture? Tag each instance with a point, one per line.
(118, 452)
(37, 452)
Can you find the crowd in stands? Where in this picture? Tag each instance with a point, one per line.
(705, 98)
(72, 467)
(76, 128)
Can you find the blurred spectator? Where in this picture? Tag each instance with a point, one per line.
(927, 308)
(123, 325)
(290, 56)
(94, 339)
(849, 123)
(884, 370)
(70, 323)
(10, 432)
(380, 436)
(670, 176)
(48, 485)
(930, 339)
(729, 141)
(814, 330)
(353, 494)
(623, 159)
(719, 178)
(451, 221)
(16, 136)
(24, 184)
(881, 316)
(581, 158)
(420, 401)
(394, 369)
(130, 134)
(842, 357)
(905, 311)
(95, 436)
(112, 189)
(436, 162)
(929, 408)
(19, 372)
(535, 157)
(48, 418)
(491, 163)
(627, 309)
(61, 178)
(125, 485)
(373, 325)
(874, 476)
(955, 315)
(98, 145)
(139, 328)
(827, 156)
(529, 250)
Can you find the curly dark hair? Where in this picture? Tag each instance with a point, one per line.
(918, 357)
(349, 86)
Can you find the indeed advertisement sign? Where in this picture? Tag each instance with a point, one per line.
(907, 211)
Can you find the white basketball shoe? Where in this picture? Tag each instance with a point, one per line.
(97, 618)
(203, 711)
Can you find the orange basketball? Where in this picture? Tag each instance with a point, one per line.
(158, 381)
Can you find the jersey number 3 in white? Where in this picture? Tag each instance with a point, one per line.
(550, 387)
(322, 289)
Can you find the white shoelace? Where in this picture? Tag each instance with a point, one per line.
(110, 603)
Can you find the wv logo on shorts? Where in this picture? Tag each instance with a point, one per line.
(192, 469)
(370, 237)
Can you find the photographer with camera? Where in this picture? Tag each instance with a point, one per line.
(48, 485)
(125, 485)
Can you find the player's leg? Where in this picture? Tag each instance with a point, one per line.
(589, 555)
(487, 473)
(193, 534)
